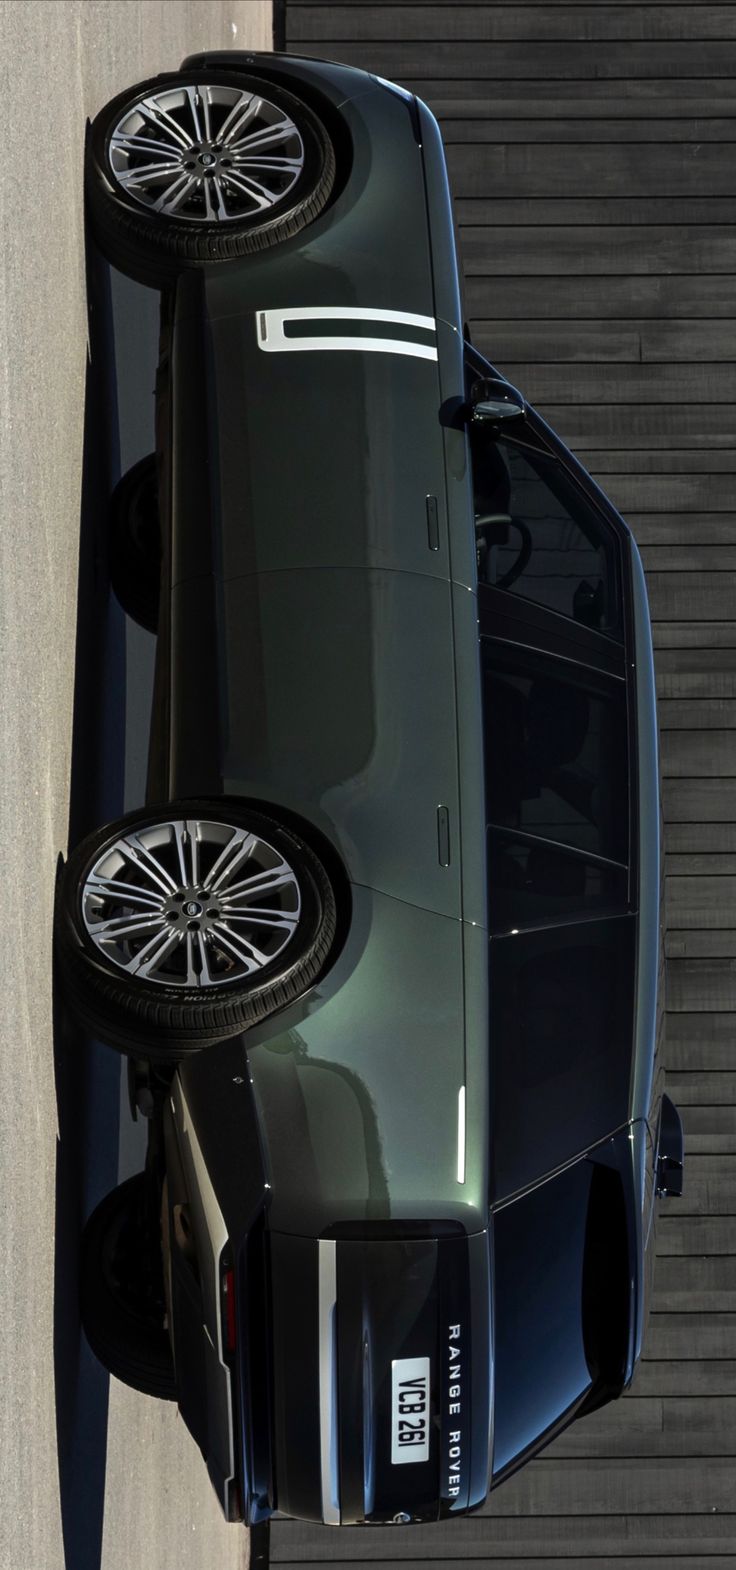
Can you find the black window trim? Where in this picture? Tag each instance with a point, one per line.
(588, 1153)
(543, 924)
(548, 651)
(499, 610)
(558, 845)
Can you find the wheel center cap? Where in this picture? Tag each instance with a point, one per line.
(193, 908)
(207, 159)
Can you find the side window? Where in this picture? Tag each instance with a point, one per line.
(561, 1028)
(557, 802)
(533, 884)
(538, 536)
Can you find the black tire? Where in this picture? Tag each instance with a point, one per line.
(135, 543)
(121, 1291)
(155, 249)
(162, 1022)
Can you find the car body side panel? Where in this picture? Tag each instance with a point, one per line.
(337, 461)
(365, 436)
(358, 1085)
(370, 243)
(330, 693)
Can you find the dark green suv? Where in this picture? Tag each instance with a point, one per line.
(383, 945)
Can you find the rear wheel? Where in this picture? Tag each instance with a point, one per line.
(198, 168)
(180, 927)
(121, 1290)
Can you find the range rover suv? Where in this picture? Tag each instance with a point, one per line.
(383, 944)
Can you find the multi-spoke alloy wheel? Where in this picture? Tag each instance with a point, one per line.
(206, 153)
(181, 927)
(189, 169)
(191, 904)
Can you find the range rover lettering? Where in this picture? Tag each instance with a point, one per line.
(382, 945)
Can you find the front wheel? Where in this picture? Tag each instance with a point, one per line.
(180, 927)
(195, 168)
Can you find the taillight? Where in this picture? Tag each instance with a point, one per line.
(228, 1299)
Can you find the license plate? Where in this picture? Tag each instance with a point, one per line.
(409, 1410)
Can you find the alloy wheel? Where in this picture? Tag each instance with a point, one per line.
(191, 903)
(206, 153)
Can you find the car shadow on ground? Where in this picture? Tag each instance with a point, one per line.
(87, 1073)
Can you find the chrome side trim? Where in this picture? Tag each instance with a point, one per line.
(328, 1381)
(461, 1134)
(272, 338)
(217, 1236)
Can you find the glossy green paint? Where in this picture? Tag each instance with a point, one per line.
(358, 1087)
(335, 697)
(324, 572)
(332, 462)
(344, 684)
(370, 246)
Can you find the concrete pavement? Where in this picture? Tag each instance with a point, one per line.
(89, 1479)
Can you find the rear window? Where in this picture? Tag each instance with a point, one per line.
(561, 1030)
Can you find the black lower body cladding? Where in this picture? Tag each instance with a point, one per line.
(382, 1376)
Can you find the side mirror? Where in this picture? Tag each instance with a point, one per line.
(670, 1152)
(493, 399)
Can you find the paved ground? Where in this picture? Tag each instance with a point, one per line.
(91, 1478)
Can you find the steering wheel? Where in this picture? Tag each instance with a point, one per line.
(492, 528)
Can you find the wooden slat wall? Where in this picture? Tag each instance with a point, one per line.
(591, 154)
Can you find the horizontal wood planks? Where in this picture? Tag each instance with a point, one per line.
(591, 150)
(362, 21)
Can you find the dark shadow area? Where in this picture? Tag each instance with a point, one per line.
(260, 1546)
(87, 1073)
